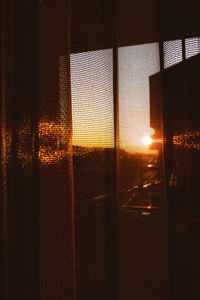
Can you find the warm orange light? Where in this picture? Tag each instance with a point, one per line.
(54, 139)
(50, 136)
(146, 141)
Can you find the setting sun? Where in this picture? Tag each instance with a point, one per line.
(146, 140)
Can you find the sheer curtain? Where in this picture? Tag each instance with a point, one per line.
(36, 152)
(99, 190)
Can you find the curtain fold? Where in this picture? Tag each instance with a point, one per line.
(36, 152)
(3, 179)
(99, 150)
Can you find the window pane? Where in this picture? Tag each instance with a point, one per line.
(142, 238)
(172, 52)
(93, 159)
(192, 47)
(92, 99)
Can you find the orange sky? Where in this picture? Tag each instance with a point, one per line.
(136, 64)
(92, 96)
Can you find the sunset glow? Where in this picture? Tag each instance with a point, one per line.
(147, 141)
(92, 97)
(136, 65)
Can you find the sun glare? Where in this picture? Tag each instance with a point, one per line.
(146, 141)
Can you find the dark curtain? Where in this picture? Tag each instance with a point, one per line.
(37, 239)
(81, 220)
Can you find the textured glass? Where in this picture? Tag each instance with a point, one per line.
(192, 47)
(172, 53)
